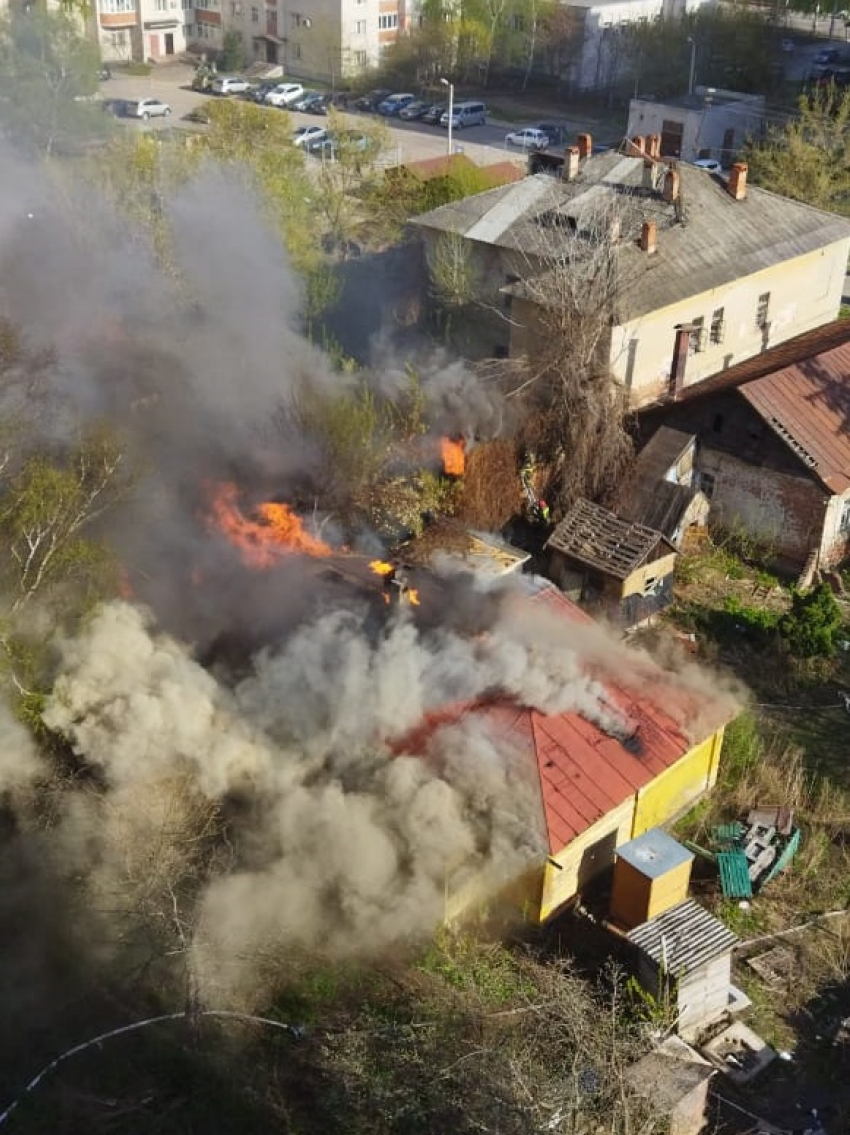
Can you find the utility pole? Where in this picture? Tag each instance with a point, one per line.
(692, 76)
(451, 87)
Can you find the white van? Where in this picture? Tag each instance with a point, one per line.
(466, 114)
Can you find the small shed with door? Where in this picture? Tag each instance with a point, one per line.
(611, 564)
(651, 874)
(685, 958)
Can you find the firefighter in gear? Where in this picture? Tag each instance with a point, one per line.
(543, 511)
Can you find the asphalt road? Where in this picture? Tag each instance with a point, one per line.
(411, 141)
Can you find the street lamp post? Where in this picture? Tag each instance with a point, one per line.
(451, 87)
(692, 76)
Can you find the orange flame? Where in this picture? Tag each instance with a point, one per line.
(381, 568)
(454, 456)
(413, 597)
(263, 542)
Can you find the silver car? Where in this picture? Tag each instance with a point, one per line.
(148, 108)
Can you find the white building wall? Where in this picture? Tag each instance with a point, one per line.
(804, 293)
(703, 127)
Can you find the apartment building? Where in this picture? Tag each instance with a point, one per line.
(317, 40)
(145, 29)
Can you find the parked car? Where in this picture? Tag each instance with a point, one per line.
(434, 113)
(369, 101)
(788, 46)
(118, 107)
(557, 135)
(394, 104)
(466, 114)
(351, 141)
(306, 135)
(230, 85)
(258, 94)
(284, 94)
(148, 108)
(826, 56)
(413, 110)
(839, 76)
(712, 165)
(529, 138)
(104, 73)
(306, 99)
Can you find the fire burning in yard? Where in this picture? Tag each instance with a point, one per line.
(381, 568)
(394, 577)
(277, 531)
(454, 456)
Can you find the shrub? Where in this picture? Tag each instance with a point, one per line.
(812, 624)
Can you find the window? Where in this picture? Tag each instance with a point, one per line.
(844, 526)
(386, 23)
(162, 5)
(718, 326)
(189, 30)
(255, 15)
(296, 51)
(118, 39)
(295, 18)
(360, 27)
(707, 484)
(116, 6)
(697, 341)
(360, 58)
(649, 584)
(763, 311)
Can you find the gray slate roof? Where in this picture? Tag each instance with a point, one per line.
(707, 242)
(683, 938)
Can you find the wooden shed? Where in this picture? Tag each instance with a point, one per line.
(651, 874)
(605, 562)
(685, 956)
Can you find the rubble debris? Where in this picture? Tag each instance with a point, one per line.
(775, 966)
(748, 855)
(739, 1053)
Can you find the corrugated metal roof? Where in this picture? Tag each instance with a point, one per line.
(808, 406)
(683, 938)
(594, 536)
(585, 772)
(708, 240)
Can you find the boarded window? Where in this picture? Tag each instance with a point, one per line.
(671, 138)
(718, 326)
(763, 311)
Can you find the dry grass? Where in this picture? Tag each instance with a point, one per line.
(492, 493)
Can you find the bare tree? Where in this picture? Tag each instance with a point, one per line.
(563, 311)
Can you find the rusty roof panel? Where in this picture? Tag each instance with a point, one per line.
(807, 405)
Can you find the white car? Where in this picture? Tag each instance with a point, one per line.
(148, 108)
(529, 138)
(712, 165)
(230, 85)
(306, 136)
(285, 94)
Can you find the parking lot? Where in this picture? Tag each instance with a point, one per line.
(411, 141)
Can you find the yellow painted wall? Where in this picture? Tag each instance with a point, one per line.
(635, 584)
(671, 792)
(636, 898)
(804, 293)
(585, 857)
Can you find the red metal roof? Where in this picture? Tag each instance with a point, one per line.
(584, 771)
(808, 405)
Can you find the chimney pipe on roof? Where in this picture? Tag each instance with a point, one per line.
(670, 190)
(737, 184)
(653, 145)
(638, 145)
(649, 237)
(680, 360)
(585, 146)
(572, 157)
(648, 180)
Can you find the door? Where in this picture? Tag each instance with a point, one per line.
(271, 52)
(154, 45)
(169, 43)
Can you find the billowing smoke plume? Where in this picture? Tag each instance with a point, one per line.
(243, 809)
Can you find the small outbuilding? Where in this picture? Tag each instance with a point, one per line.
(676, 1078)
(652, 873)
(612, 565)
(685, 957)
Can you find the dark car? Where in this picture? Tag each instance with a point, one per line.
(413, 110)
(839, 76)
(434, 113)
(368, 103)
(557, 135)
(258, 94)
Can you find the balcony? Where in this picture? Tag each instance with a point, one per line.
(118, 19)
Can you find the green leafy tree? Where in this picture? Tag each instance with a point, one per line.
(811, 626)
(232, 56)
(49, 77)
(48, 506)
(346, 171)
(809, 158)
